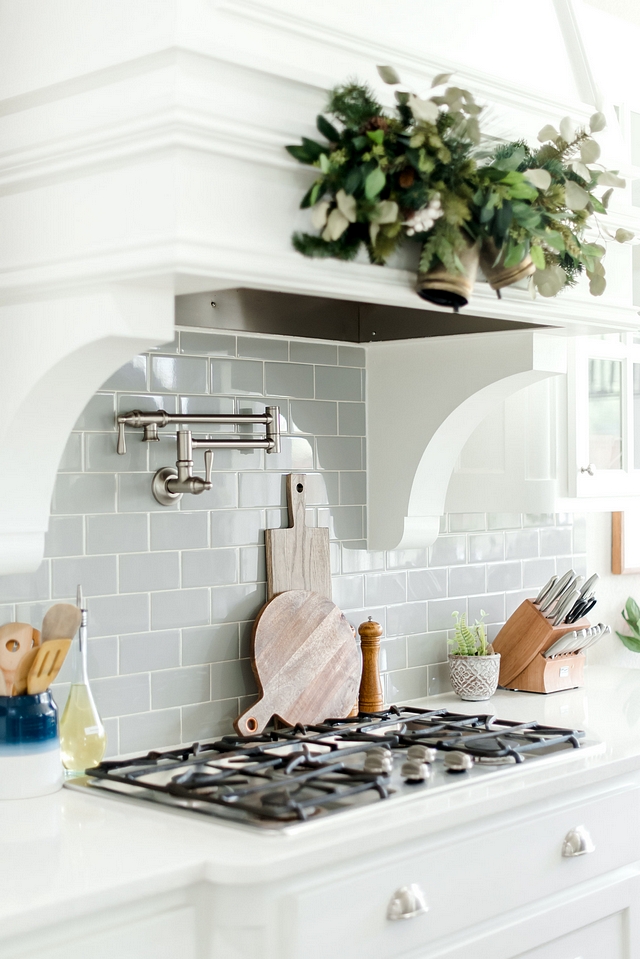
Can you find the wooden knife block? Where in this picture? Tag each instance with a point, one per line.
(522, 641)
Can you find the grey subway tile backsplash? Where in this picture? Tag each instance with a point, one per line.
(173, 592)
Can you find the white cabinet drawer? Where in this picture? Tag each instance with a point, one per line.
(599, 940)
(467, 880)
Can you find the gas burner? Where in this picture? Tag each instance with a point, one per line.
(307, 772)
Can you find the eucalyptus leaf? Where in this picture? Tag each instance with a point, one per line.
(515, 255)
(549, 281)
(593, 249)
(567, 129)
(346, 205)
(473, 130)
(440, 79)
(388, 74)
(319, 214)
(597, 284)
(606, 197)
(547, 133)
(537, 255)
(425, 110)
(609, 178)
(337, 223)
(576, 197)
(623, 236)
(589, 151)
(596, 205)
(578, 167)
(374, 183)
(540, 178)
(597, 122)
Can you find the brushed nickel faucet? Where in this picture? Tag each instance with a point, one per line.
(168, 484)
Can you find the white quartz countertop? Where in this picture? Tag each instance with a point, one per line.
(70, 853)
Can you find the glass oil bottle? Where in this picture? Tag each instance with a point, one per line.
(82, 736)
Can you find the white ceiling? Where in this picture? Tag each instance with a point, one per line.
(626, 9)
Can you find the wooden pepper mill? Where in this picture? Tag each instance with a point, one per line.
(371, 698)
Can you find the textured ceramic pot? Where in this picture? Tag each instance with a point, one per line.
(30, 761)
(498, 275)
(474, 678)
(450, 289)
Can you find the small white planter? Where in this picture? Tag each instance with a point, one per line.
(474, 678)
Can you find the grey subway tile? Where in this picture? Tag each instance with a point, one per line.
(232, 679)
(262, 348)
(131, 376)
(538, 519)
(426, 584)
(252, 564)
(537, 572)
(171, 346)
(237, 377)
(214, 344)
(361, 560)
(555, 541)
(289, 379)
(493, 606)
(236, 603)
(564, 519)
(205, 404)
(179, 530)
(112, 615)
(353, 488)
(403, 685)
(439, 681)
(222, 495)
(98, 414)
(84, 493)
(440, 612)
(322, 489)
(96, 574)
(352, 356)
(179, 607)
(314, 416)
(117, 533)
(406, 618)
(261, 489)
(348, 591)
(120, 695)
(407, 558)
(426, 648)
(580, 534)
(64, 536)
(504, 520)
(102, 657)
(344, 522)
(448, 551)
(393, 654)
(18, 587)
(352, 419)
(204, 721)
(71, 460)
(338, 383)
(295, 456)
(485, 547)
(147, 403)
(150, 730)
(466, 522)
(209, 567)
(210, 644)
(339, 452)
(521, 544)
(242, 527)
(144, 652)
(301, 352)
(464, 580)
(147, 572)
(179, 687)
(503, 576)
(513, 600)
(386, 588)
(101, 457)
(179, 374)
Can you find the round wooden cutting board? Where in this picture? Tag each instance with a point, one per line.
(306, 662)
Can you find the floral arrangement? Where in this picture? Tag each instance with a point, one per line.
(420, 173)
(470, 640)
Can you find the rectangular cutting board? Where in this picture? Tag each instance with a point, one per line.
(298, 557)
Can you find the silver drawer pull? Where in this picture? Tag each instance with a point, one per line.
(407, 902)
(577, 842)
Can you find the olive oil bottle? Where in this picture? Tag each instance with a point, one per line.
(82, 736)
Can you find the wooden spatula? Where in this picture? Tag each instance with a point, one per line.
(16, 640)
(62, 621)
(305, 660)
(22, 672)
(46, 665)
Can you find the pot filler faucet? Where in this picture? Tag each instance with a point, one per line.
(169, 484)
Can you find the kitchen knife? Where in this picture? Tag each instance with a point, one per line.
(559, 644)
(565, 604)
(572, 586)
(590, 583)
(584, 637)
(580, 609)
(594, 635)
(544, 592)
(562, 583)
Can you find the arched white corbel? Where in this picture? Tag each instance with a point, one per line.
(57, 351)
(424, 399)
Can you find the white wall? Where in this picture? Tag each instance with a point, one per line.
(612, 595)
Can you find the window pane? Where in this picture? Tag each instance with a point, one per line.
(605, 413)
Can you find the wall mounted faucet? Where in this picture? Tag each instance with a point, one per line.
(168, 484)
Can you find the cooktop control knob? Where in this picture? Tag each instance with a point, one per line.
(379, 761)
(422, 754)
(457, 762)
(414, 771)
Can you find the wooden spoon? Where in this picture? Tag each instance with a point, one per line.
(62, 621)
(16, 640)
(46, 665)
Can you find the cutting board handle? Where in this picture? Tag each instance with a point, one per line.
(253, 721)
(297, 499)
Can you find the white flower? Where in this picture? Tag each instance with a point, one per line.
(337, 223)
(346, 205)
(385, 212)
(422, 220)
(319, 214)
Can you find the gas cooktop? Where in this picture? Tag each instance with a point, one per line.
(302, 773)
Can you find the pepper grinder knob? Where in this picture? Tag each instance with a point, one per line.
(371, 698)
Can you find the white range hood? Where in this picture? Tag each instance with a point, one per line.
(143, 157)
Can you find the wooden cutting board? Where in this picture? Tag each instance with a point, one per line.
(305, 660)
(298, 557)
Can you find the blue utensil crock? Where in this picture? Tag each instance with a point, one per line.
(30, 761)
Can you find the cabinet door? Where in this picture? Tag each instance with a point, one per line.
(605, 939)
